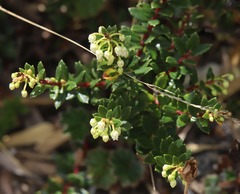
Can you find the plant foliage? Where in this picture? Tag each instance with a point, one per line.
(150, 70)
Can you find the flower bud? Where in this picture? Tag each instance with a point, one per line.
(93, 122)
(93, 47)
(110, 59)
(120, 63)
(32, 83)
(117, 50)
(114, 135)
(24, 93)
(120, 70)
(166, 167)
(171, 177)
(121, 37)
(99, 55)
(164, 174)
(101, 125)
(14, 75)
(93, 131)
(17, 84)
(173, 183)
(91, 38)
(107, 54)
(100, 29)
(11, 86)
(29, 72)
(211, 118)
(124, 52)
(105, 138)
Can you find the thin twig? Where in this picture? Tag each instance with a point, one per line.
(168, 94)
(159, 91)
(44, 28)
(152, 179)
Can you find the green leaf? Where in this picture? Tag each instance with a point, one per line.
(171, 60)
(203, 125)
(202, 48)
(61, 98)
(167, 158)
(139, 29)
(126, 113)
(182, 120)
(182, 158)
(70, 85)
(39, 89)
(162, 80)
(189, 62)
(166, 119)
(126, 167)
(27, 66)
(210, 74)
(142, 70)
(111, 104)
(179, 45)
(100, 169)
(165, 143)
(173, 149)
(149, 158)
(109, 114)
(76, 179)
(40, 66)
(117, 112)
(102, 111)
(41, 74)
(141, 13)
(175, 160)
(79, 77)
(193, 42)
(159, 160)
(134, 61)
(62, 71)
(169, 109)
(82, 97)
(54, 92)
(153, 22)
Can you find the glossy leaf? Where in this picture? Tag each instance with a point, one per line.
(37, 90)
(202, 48)
(102, 111)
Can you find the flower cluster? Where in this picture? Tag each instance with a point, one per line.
(109, 48)
(170, 172)
(105, 128)
(25, 76)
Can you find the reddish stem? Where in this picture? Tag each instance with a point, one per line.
(185, 56)
(65, 188)
(81, 85)
(49, 82)
(179, 112)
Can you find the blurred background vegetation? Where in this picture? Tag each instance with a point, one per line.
(21, 42)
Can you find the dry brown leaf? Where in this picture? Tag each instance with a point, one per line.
(44, 136)
(12, 164)
(40, 168)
